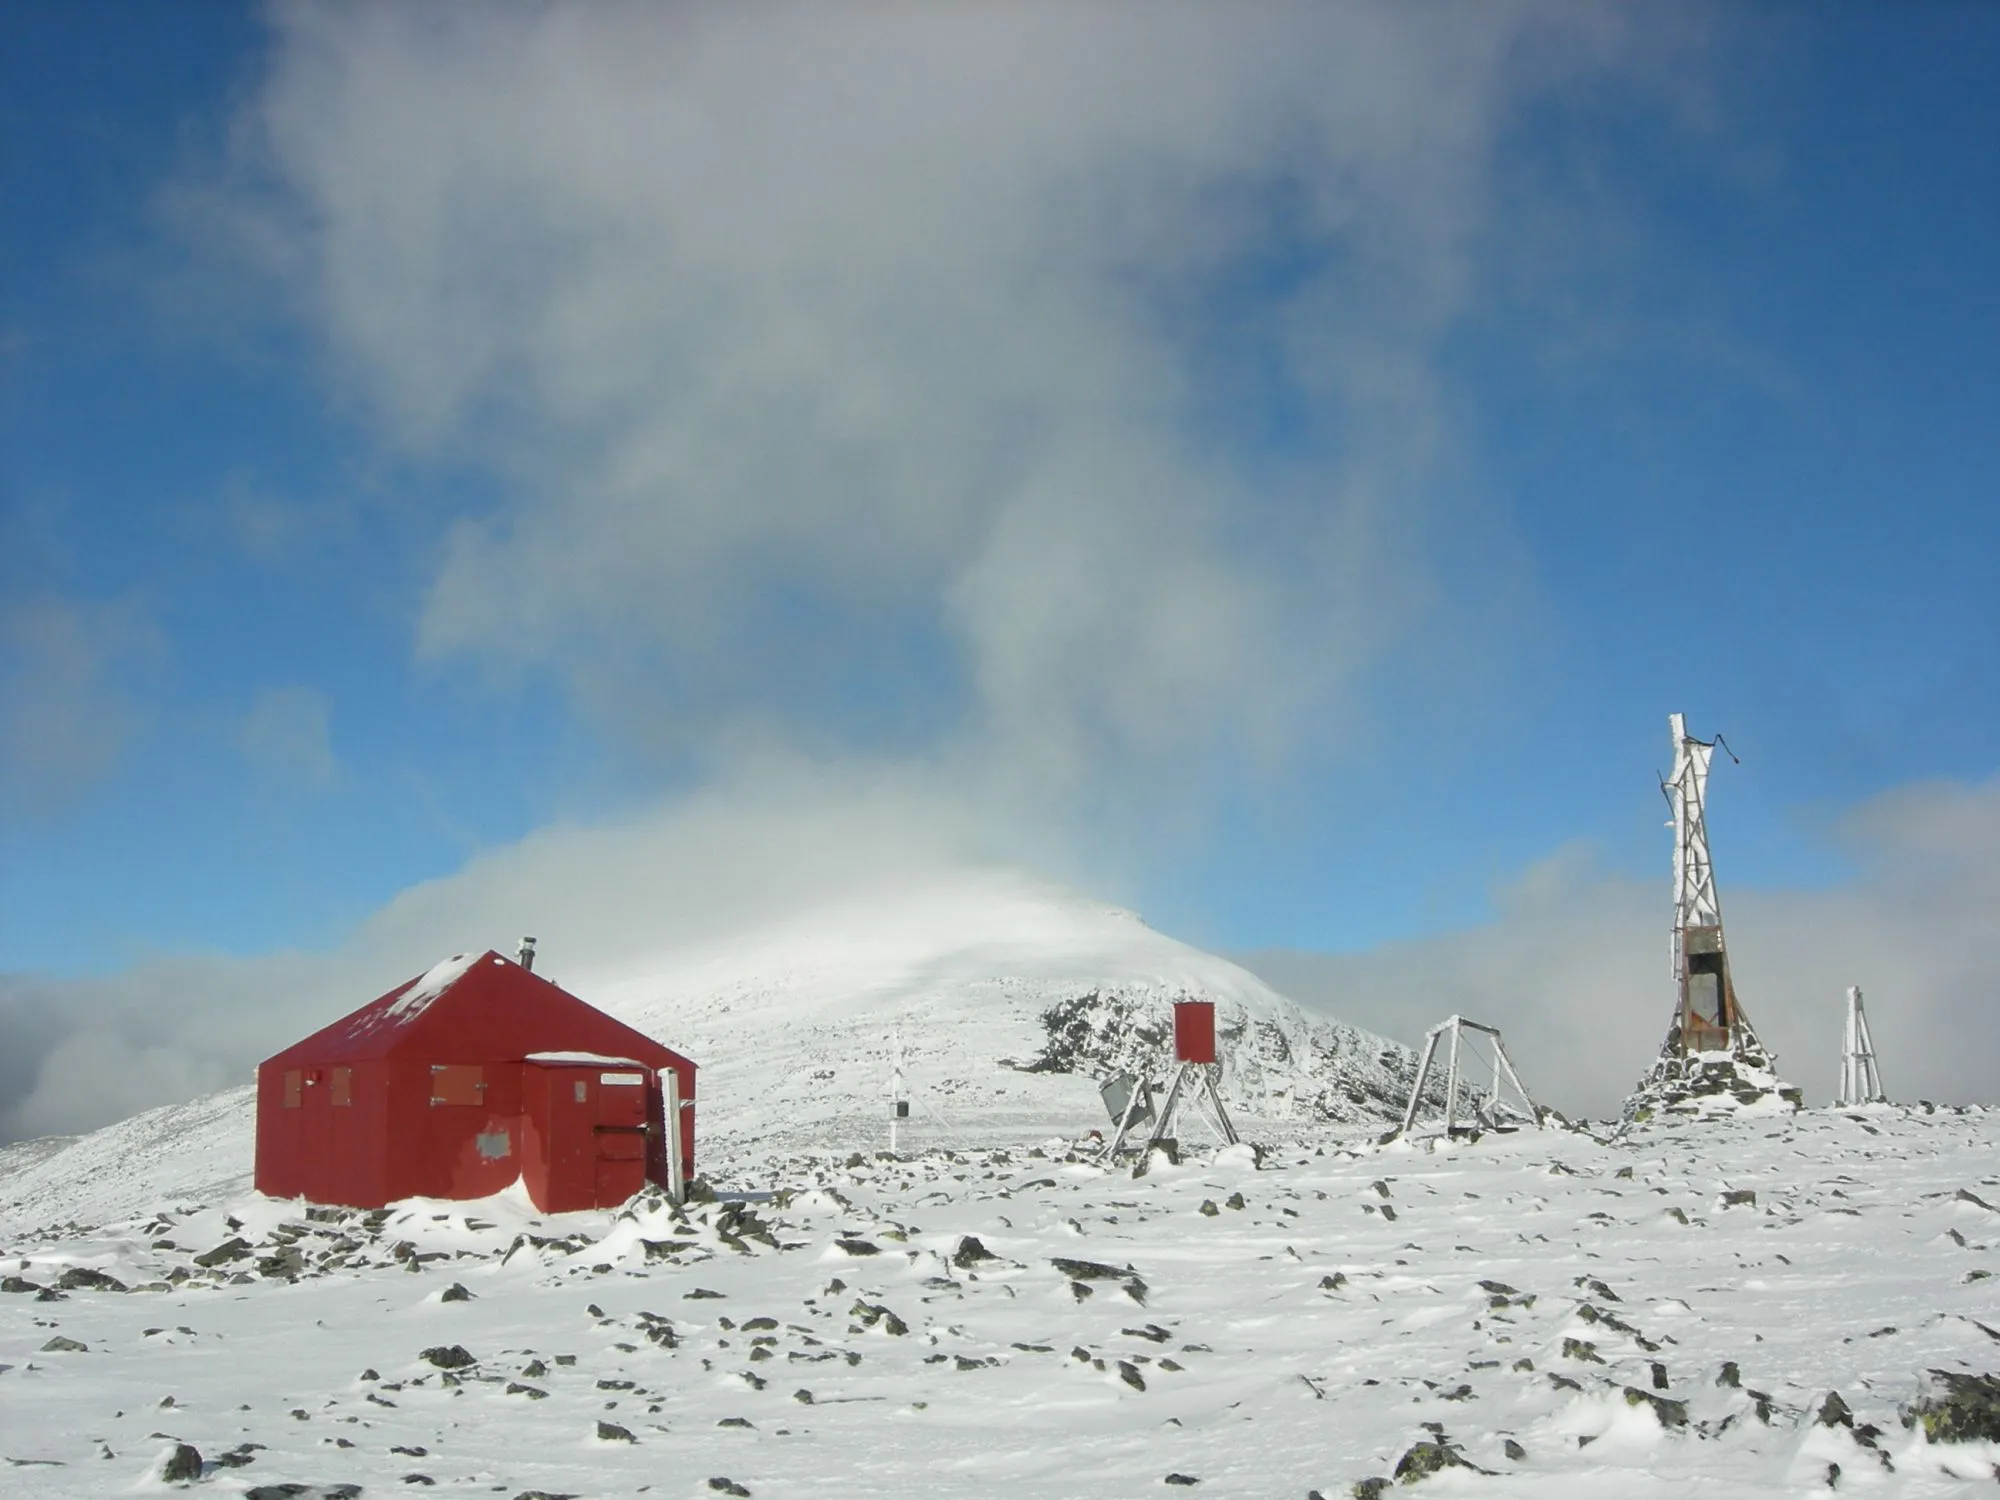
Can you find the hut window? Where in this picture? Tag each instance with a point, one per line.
(458, 1083)
(582, 1091)
(295, 1088)
(341, 1085)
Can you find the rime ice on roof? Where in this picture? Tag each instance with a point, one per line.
(1712, 1058)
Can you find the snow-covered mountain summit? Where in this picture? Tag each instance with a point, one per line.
(1011, 1000)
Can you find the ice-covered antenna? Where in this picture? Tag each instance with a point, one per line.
(1860, 1079)
(525, 957)
(899, 1104)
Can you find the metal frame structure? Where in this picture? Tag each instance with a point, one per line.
(1191, 1080)
(1503, 1069)
(1709, 1018)
(1860, 1079)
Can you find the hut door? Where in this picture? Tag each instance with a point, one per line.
(588, 1124)
(620, 1134)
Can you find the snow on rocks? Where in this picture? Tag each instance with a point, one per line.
(1287, 1343)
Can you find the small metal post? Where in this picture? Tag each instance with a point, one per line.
(1451, 1081)
(1423, 1077)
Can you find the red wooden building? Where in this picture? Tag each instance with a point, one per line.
(463, 1080)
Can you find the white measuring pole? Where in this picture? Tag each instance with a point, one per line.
(670, 1082)
(895, 1087)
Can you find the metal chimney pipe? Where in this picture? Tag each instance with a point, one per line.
(526, 957)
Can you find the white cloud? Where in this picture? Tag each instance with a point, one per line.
(1575, 970)
(801, 333)
(67, 709)
(286, 736)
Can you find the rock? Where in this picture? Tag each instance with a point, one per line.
(532, 1392)
(62, 1344)
(1497, 1289)
(1129, 1373)
(1234, 1200)
(456, 1292)
(449, 1357)
(1670, 1413)
(1088, 1270)
(1513, 1449)
(971, 1253)
(1959, 1409)
(17, 1284)
(871, 1313)
(228, 1250)
(82, 1278)
(1659, 1376)
(611, 1432)
(1180, 1479)
(726, 1486)
(182, 1466)
(1834, 1412)
(1425, 1459)
(858, 1247)
(1208, 1208)
(1739, 1197)
(1729, 1375)
(1581, 1349)
(1369, 1489)
(1334, 1282)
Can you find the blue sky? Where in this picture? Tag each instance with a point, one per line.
(422, 428)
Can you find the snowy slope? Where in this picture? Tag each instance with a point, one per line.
(1744, 1308)
(791, 1025)
(1012, 1001)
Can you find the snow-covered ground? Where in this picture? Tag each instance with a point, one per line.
(1577, 1318)
(997, 1312)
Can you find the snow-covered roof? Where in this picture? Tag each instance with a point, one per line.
(584, 1060)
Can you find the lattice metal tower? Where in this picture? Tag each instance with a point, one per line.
(1709, 1019)
(1860, 1080)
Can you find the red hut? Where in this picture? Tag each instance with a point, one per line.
(463, 1080)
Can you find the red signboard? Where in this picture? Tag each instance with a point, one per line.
(1194, 1031)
